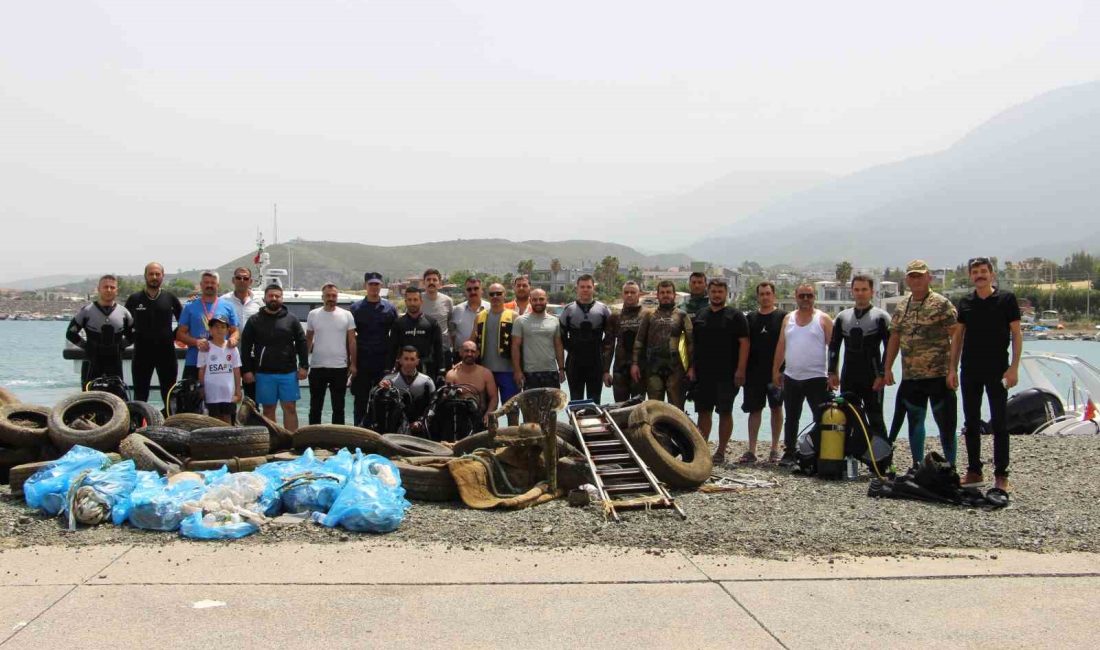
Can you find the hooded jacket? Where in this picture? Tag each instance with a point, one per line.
(270, 342)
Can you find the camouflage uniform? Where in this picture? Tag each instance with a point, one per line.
(623, 330)
(924, 332)
(657, 353)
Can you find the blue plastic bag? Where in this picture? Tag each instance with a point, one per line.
(194, 526)
(48, 488)
(307, 484)
(230, 508)
(156, 505)
(371, 501)
(150, 483)
(112, 486)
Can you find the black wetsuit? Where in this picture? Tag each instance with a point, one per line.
(863, 333)
(582, 332)
(154, 347)
(107, 332)
(424, 334)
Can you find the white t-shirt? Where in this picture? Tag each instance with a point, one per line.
(330, 337)
(218, 384)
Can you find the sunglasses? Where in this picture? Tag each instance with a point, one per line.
(496, 294)
(975, 261)
(241, 277)
(805, 296)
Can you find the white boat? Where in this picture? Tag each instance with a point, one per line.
(1074, 381)
(1050, 318)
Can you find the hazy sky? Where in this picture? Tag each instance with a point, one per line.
(132, 131)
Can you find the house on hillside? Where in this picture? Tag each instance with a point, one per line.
(556, 281)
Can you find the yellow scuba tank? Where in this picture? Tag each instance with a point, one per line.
(834, 428)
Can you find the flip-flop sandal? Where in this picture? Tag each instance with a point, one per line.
(773, 457)
(747, 458)
(997, 497)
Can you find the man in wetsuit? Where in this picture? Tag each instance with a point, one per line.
(538, 356)
(622, 331)
(192, 330)
(154, 311)
(583, 325)
(374, 315)
(720, 355)
(863, 331)
(698, 298)
(656, 363)
(107, 328)
(988, 320)
(921, 330)
(765, 324)
(417, 384)
(419, 330)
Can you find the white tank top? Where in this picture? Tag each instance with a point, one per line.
(806, 348)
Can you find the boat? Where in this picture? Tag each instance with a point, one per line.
(1073, 381)
(1050, 318)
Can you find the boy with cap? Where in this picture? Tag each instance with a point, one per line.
(220, 372)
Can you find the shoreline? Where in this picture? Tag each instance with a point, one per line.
(1055, 508)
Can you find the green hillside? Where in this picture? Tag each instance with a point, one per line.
(316, 262)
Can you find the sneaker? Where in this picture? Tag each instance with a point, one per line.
(747, 458)
(972, 478)
(787, 460)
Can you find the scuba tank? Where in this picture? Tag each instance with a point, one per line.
(834, 431)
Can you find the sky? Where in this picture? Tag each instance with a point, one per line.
(137, 131)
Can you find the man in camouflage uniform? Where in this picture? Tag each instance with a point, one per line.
(922, 327)
(622, 329)
(657, 363)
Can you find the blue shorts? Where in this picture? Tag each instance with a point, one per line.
(506, 386)
(272, 388)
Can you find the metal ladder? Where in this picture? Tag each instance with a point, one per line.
(616, 468)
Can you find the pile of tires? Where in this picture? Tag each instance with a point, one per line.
(670, 444)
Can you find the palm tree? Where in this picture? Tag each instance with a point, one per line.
(555, 266)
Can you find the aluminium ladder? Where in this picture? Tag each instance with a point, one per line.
(622, 478)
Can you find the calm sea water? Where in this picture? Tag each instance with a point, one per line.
(32, 367)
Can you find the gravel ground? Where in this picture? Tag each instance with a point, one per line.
(1055, 507)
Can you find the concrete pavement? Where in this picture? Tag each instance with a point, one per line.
(369, 592)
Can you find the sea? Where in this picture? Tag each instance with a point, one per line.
(31, 366)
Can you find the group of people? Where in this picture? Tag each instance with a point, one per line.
(238, 343)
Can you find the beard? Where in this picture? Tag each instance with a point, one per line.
(272, 305)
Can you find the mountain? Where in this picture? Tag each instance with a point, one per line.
(1025, 180)
(44, 281)
(317, 262)
(734, 195)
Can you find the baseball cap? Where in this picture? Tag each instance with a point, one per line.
(216, 319)
(372, 276)
(918, 267)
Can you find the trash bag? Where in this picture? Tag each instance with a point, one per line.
(371, 501)
(96, 493)
(234, 506)
(307, 484)
(155, 504)
(48, 489)
(145, 482)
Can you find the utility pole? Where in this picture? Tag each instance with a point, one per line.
(275, 233)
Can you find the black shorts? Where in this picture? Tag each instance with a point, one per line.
(757, 393)
(714, 395)
(223, 408)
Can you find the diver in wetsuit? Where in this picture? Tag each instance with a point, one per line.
(657, 363)
(863, 330)
(622, 331)
(583, 327)
(108, 329)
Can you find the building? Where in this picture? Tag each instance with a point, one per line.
(556, 282)
(833, 297)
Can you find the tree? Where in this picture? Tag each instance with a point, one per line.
(555, 266)
(180, 287)
(458, 278)
(525, 267)
(607, 272)
(635, 273)
(749, 267)
(844, 272)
